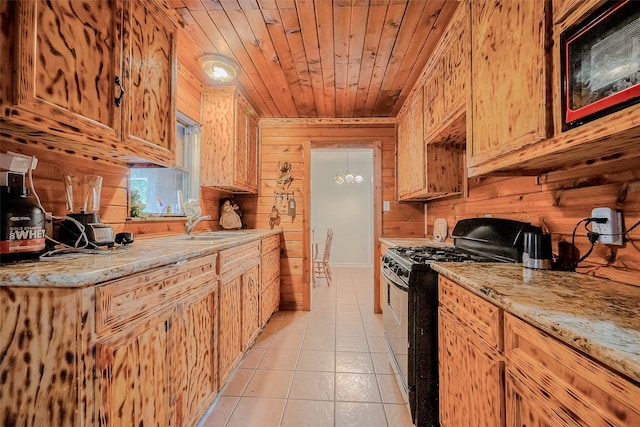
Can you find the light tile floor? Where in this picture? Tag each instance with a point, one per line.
(326, 367)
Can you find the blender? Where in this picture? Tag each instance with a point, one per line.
(81, 226)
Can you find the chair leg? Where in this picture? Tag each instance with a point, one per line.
(313, 274)
(327, 273)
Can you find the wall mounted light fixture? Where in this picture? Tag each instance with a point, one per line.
(219, 68)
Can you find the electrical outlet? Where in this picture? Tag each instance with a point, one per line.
(611, 231)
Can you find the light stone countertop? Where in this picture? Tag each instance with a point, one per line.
(597, 316)
(80, 270)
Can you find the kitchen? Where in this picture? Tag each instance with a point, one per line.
(548, 177)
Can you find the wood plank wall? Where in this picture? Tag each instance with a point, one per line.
(285, 141)
(558, 201)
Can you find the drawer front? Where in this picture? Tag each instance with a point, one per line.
(270, 268)
(472, 311)
(122, 301)
(239, 256)
(270, 243)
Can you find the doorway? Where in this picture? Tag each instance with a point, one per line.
(376, 147)
(345, 207)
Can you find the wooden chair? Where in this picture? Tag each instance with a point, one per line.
(321, 267)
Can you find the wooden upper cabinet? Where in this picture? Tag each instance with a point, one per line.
(510, 65)
(432, 125)
(446, 82)
(149, 74)
(516, 122)
(563, 8)
(411, 167)
(65, 59)
(229, 146)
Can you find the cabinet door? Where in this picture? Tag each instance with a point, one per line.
(149, 79)
(270, 266)
(432, 99)
(250, 305)
(550, 384)
(242, 145)
(510, 69)
(216, 158)
(133, 366)
(411, 166)
(252, 153)
(230, 332)
(470, 377)
(455, 66)
(68, 54)
(229, 142)
(194, 354)
(269, 300)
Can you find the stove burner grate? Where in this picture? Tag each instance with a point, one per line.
(425, 254)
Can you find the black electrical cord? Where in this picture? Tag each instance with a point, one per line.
(592, 236)
(632, 227)
(573, 242)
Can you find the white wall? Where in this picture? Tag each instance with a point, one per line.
(347, 208)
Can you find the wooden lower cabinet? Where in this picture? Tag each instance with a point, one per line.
(470, 362)
(230, 349)
(250, 305)
(537, 381)
(195, 355)
(550, 384)
(270, 278)
(134, 375)
(269, 300)
(148, 349)
(140, 350)
(156, 339)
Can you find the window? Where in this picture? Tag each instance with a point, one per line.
(155, 190)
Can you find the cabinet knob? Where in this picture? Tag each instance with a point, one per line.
(119, 98)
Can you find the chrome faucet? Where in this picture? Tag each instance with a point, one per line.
(193, 221)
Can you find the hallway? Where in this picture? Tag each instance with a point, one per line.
(326, 367)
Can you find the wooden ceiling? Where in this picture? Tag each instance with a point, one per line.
(317, 58)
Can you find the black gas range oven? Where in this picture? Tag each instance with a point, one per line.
(410, 309)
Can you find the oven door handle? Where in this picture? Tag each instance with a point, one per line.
(394, 279)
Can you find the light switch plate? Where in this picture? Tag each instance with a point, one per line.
(386, 206)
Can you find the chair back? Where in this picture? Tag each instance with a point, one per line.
(327, 245)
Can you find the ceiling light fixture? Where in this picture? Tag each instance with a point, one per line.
(219, 68)
(350, 177)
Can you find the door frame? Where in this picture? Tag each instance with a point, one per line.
(376, 147)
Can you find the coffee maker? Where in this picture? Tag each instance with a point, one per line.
(81, 226)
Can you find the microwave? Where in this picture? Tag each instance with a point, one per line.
(600, 63)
